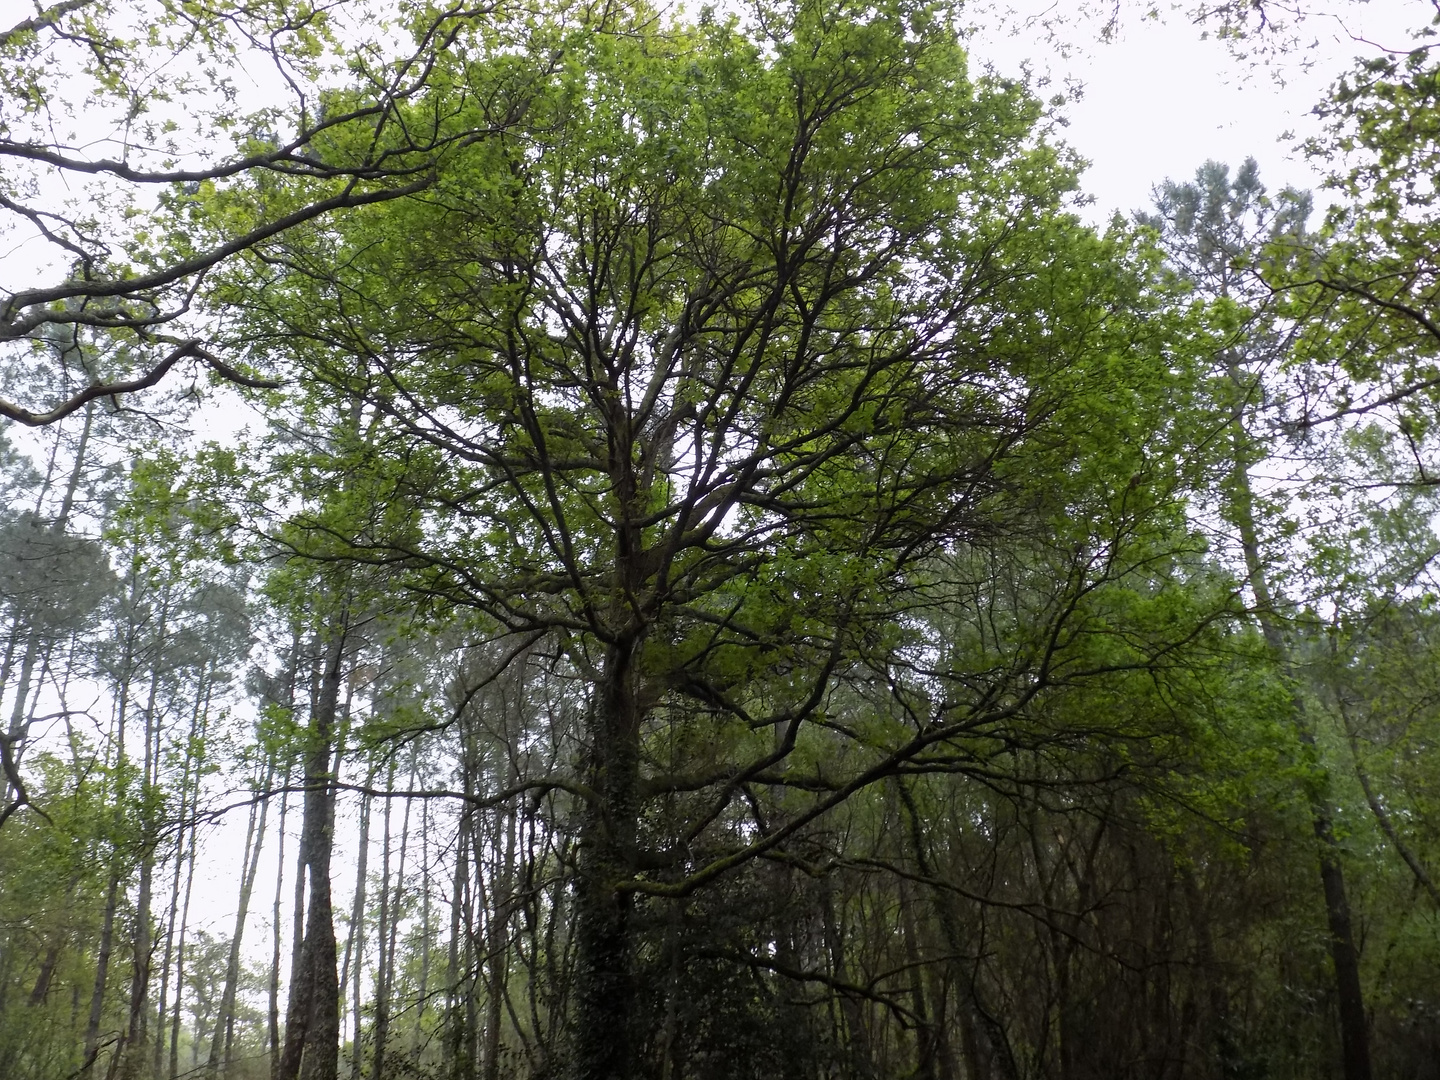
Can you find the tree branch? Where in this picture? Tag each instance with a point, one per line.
(12, 327)
(42, 21)
(191, 348)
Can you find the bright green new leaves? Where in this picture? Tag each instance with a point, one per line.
(1369, 290)
(767, 354)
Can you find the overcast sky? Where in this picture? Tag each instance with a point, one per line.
(1160, 100)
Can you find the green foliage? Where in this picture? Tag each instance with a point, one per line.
(1367, 288)
(51, 890)
(736, 401)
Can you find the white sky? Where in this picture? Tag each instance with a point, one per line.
(1160, 100)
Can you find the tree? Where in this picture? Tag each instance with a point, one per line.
(743, 347)
(160, 86)
(1212, 227)
(809, 590)
(122, 255)
(1367, 292)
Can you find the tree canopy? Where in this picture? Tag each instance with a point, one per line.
(735, 577)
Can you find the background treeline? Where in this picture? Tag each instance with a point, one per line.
(733, 578)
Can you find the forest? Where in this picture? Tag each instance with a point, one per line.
(725, 575)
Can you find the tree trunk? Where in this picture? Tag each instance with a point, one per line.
(604, 987)
(426, 932)
(273, 1017)
(223, 1036)
(928, 1034)
(112, 890)
(102, 966)
(965, 976)
(130, 1061)
(312, 1028)
(1354, 1028)
(180, 957)
(186, 800)
(457, 1035)
(380, 1029)
(167, 962)
(854, 1035)
(497, 960)
(390, 923)
(273, 1010)
(355, 936)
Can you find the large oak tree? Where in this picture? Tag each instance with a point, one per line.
(750, 350)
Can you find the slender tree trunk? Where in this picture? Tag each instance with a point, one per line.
(1354, 1028)
(180, 956)
(222, 1037)
(102, 966)
(41, 989)
(15, 734)
(112, 890)
(312, 1029)
(456, 1032)
(497, 958)
(856, 1032)
(390, 923)
(426, 931)
(167, 960)
(189, 796)
(273, 1015)
(129, 1062)
(166, 963)
(273, 1010)
(1215, 1035)
(302, 854)
(927, 1032)
(379, 1028)
(355, 937)
(966, 977)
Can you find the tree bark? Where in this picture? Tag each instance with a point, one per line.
(188, 797)
(497, 949)
(380, 1029)
(604, 986)
(426, 932)
(273, 1012)
(312, 1029)
(390, 923)
(457, 1034)
(129, 1062)
(180, 958)
(290, 670)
